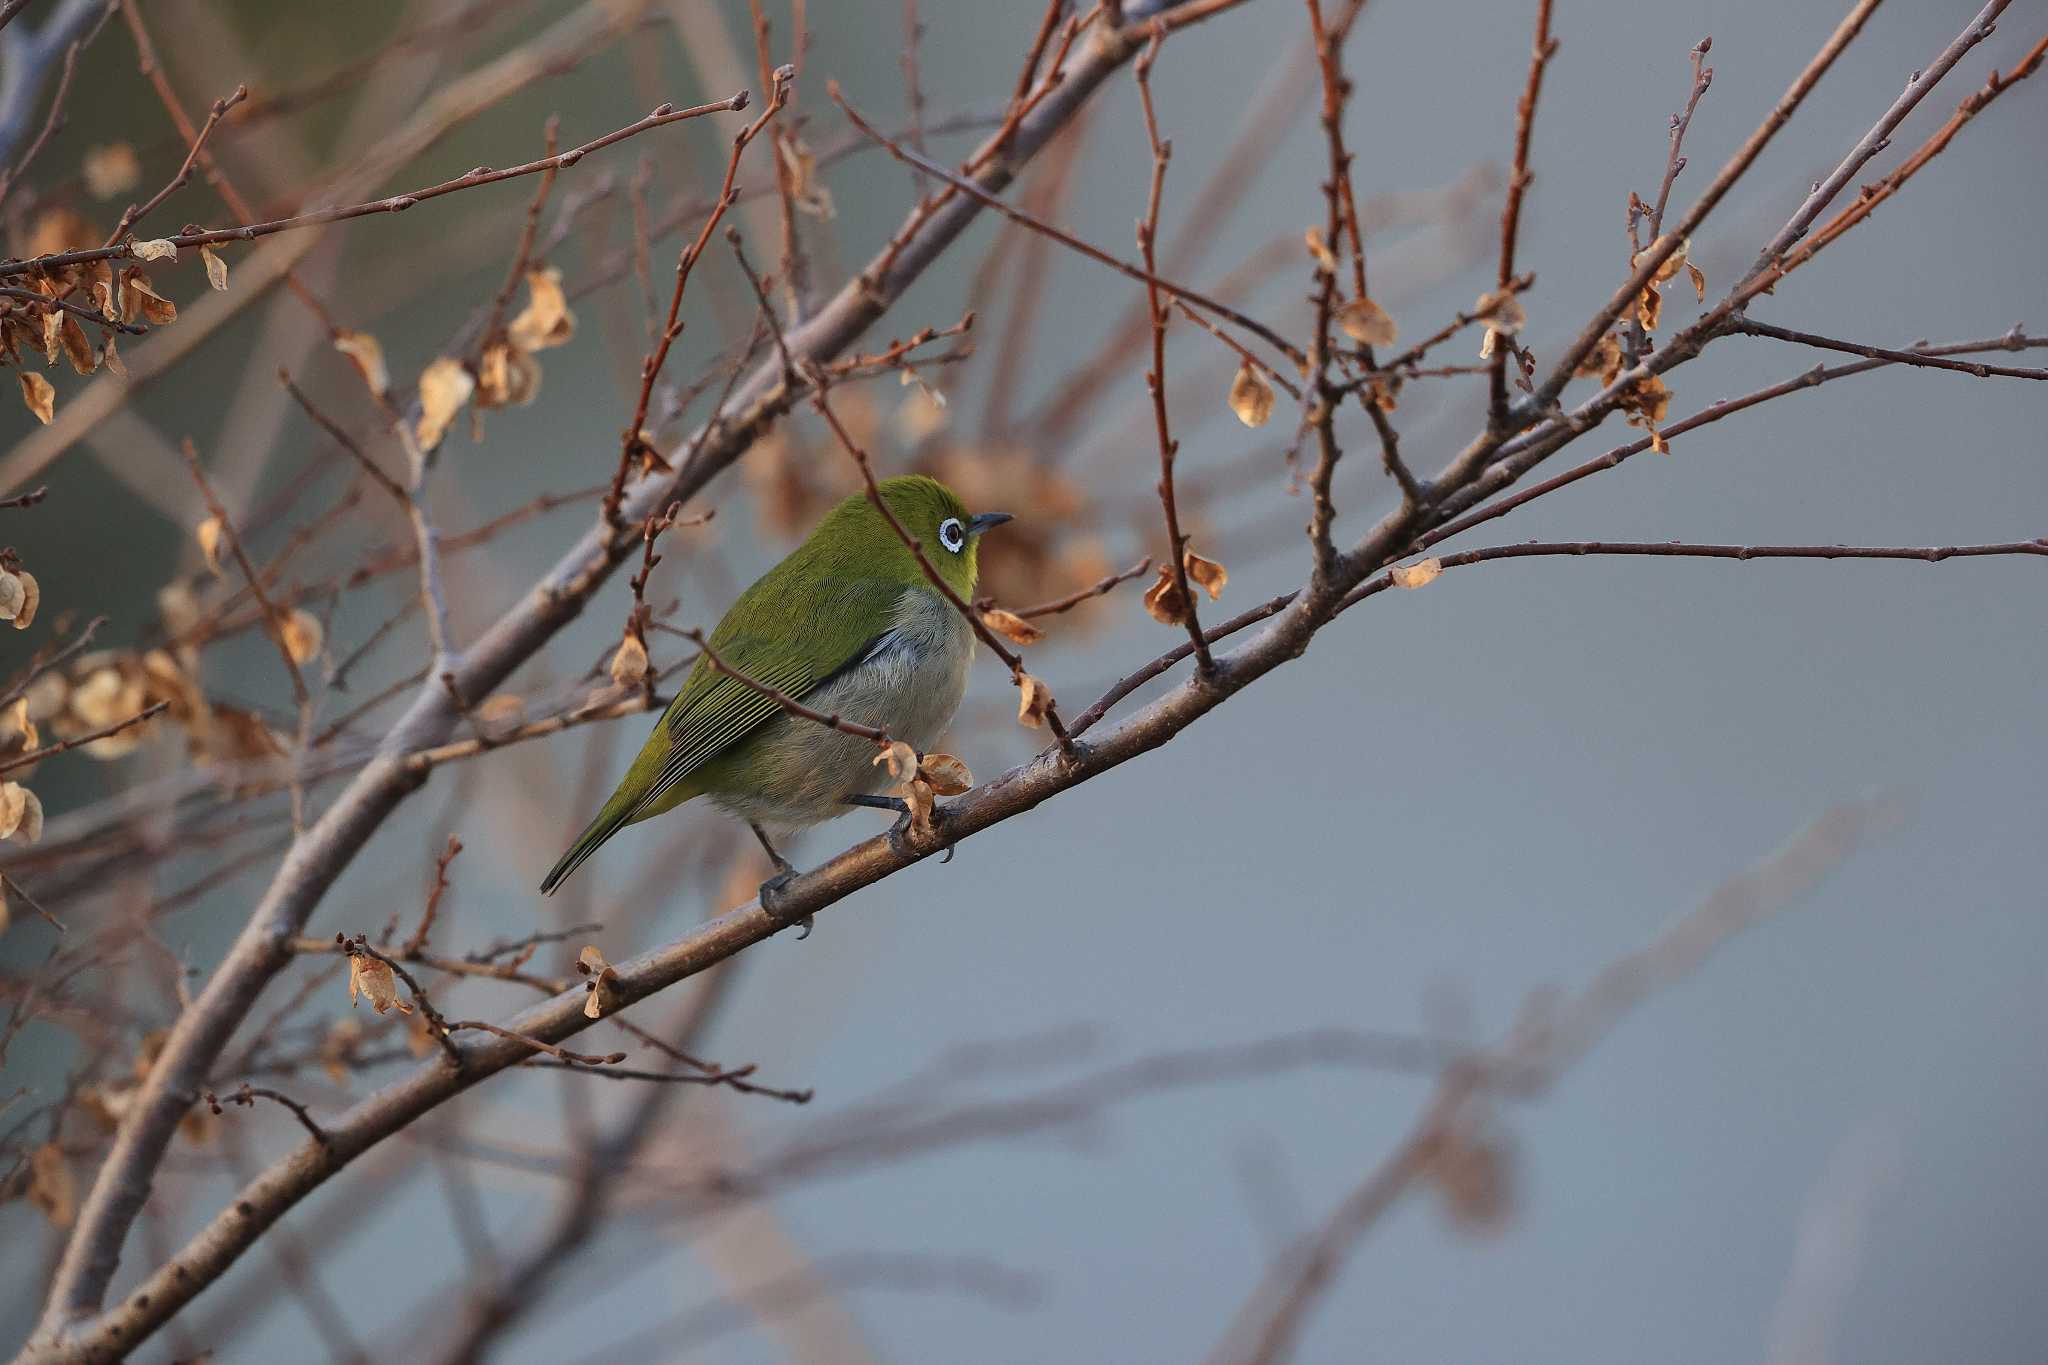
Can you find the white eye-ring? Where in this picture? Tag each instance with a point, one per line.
(952, 535)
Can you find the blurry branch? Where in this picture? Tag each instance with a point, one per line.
(26, 59)
(1549, 1037)
(396, 203)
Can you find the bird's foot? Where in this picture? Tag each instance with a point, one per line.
(770, 896)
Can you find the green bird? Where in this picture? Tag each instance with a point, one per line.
(849, 625)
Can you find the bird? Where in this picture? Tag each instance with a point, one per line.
(850, 625)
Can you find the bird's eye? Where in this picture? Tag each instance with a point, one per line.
(952, 534)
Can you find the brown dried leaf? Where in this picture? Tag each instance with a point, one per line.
(806, 192)
(139, 300)
(216, 268)
(21, 814)
(1034, 698)
(208, 533)
(59, 228)
(1699, 280)
(918, 796)
(1319, 250)
(1474, 1176)
(506, 375)
(1650, 307)
(111, 358)
(39, 395)
(1011, 626)
(1205, 574)
(50, 1186)
(367, 355)
(1418, 575)
(546, 320)
(445, 385)
(302, 635)
(31, 598)
(946, 775)
(1251, 397)
(13, 592)
(1367, 323)
(1164, 600)
(922, 413)
(374, 980)
(1603, 360)
(1502, 309)
(156, 249)
(19, 720)
(1647, 402)
(77, 349)
(629, 662)
(899, 758)
(111, 170)
(338, 1046)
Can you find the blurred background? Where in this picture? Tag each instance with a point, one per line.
(1826, 1145)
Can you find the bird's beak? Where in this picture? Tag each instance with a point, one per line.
(986, 521)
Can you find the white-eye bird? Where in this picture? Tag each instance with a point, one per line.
(849, 625)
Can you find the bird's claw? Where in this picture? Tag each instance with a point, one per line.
(770, 897)
(899, 835)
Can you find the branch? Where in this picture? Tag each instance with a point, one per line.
(397, 203)
(73, 1314)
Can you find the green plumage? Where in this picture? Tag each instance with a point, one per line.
(847, 618)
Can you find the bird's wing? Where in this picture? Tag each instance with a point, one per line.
(714, 711)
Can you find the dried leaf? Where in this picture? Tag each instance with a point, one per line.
(374, 980)
(208, 534)
(1416, 575)
(31, 597)
(1164, 599)
(921, 800)
(1502, 309)
(1251, 397)
(629, 662)
(102, 289)
(367, 355)
(20, 813)
(1011, 626)
(1319, 251)
(898, 757)
(1699, 280)
(1474, 1177)
(40, 396)
(24, 725)
(1034, 699)
(77, 349)
(603, 983)
(216, 268)
(506, 375)
(546, 320)
(445, 385)
(1658, 443)
(1647, 402)
(338, 1046)
(946, 775)
(13, 592)
(806, 192)
(50, 1186)
(139, 300)
(921, 414)
(59, 228)
(505, 710)
(111, 170)
(1603, 360)
(111, 358)
(1650, 307)
(302, 635)
(1205, 574)
(155, 249)
(1367, 323)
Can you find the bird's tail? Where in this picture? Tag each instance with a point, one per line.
(616, 815)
